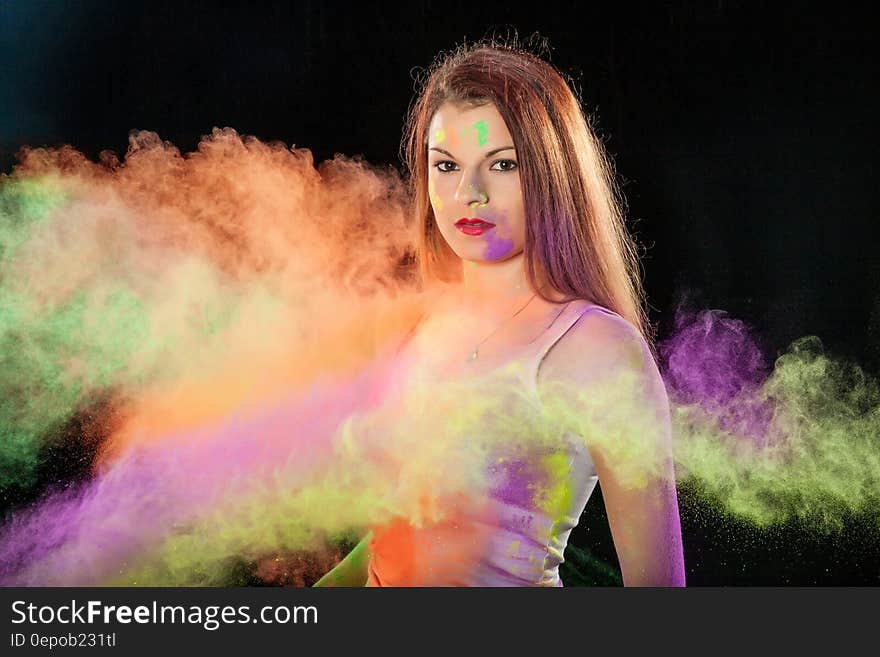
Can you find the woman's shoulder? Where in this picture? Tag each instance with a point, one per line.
(598, 342)
(595, 326)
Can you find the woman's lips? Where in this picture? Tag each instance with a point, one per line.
(473, 226)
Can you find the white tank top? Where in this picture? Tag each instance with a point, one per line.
(526, 543)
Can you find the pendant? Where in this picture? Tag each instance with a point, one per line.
(473, 355)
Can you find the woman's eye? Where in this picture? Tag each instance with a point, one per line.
(509, 165)
(442, 166)
(445, 166)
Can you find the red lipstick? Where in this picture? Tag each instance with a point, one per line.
(473, 226)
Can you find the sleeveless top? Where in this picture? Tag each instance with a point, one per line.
(519, 543)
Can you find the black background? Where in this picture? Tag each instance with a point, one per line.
(743, 134)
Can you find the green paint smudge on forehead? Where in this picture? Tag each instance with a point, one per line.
(482, 132)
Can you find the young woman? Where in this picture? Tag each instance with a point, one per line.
(520, 220)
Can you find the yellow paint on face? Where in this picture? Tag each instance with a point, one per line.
(432, 194)
(439, 135)
(477, 204)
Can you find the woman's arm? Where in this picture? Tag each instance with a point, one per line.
(645, 526)
(351, 571)
(611, 386)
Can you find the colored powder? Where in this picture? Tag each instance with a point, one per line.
(144, 279)
(482, 132)
(802, 441)
(497, 247)
(477, 204)
(436, 201)
(228, 321)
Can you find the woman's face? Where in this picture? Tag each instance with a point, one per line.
(473, 183)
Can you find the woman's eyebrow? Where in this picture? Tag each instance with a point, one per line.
(489, 154)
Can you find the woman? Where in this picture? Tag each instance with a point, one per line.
(519, 219)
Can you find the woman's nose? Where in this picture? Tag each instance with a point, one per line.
(472, 194)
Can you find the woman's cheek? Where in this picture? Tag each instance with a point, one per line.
(436, 201)
(499, 242)
(498, 248)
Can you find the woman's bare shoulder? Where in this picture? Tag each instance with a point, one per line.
(599, 344)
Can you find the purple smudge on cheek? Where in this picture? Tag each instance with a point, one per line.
(712, 361)
(497, 246)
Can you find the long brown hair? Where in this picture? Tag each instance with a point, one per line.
(575, 236)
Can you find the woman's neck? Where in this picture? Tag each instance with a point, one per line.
(493, 286)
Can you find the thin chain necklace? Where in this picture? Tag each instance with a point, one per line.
(476, 352)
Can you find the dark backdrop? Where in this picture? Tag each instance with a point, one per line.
(744, 134)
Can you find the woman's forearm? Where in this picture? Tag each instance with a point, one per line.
(351, 571)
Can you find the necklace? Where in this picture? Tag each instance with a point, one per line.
(476, 352)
